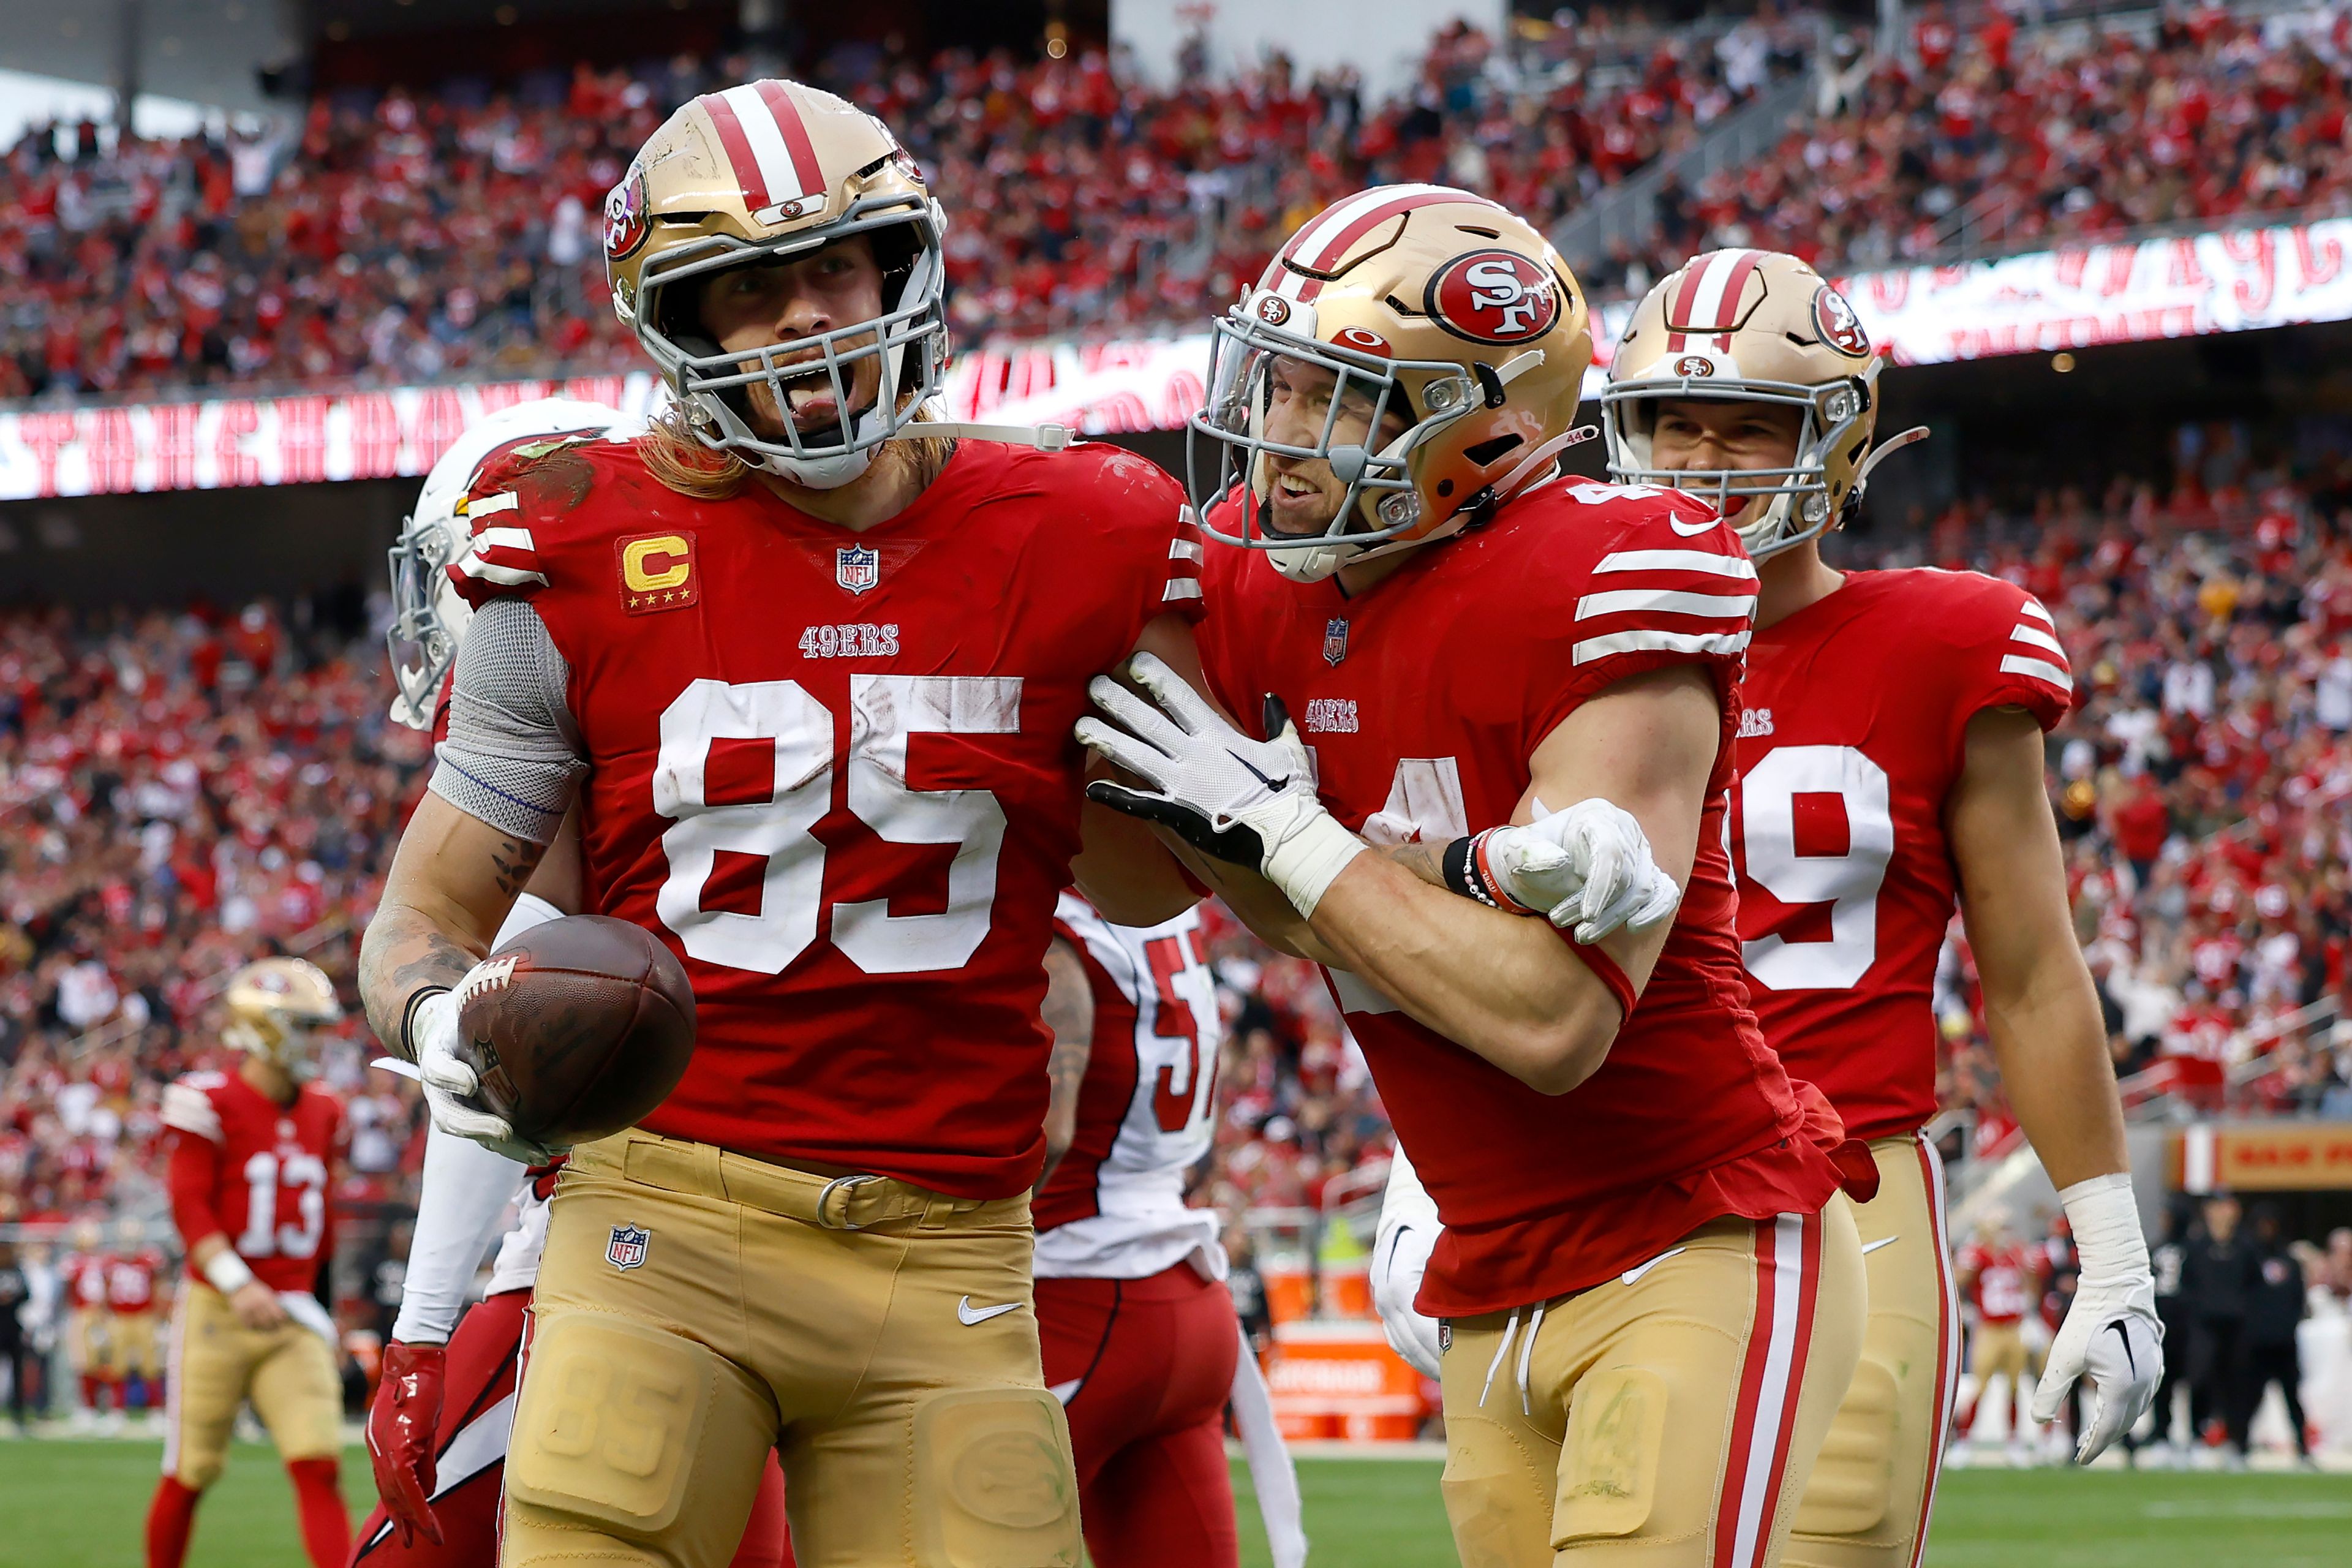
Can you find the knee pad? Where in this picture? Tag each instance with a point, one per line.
(1608, 1459)
(607, 1424)
(1853, 1482)
(994, 1487)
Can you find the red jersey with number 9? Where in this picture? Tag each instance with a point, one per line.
(1851, 737)
(834, 771)
(1424, 701)
(245, 1167)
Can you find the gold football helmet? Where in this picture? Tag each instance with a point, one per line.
(273, 1007)
(768, 170)
(1753, 326)
(1422, 302)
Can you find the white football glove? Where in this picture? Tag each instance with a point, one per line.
(1250, 802)
(1408, 1228)
(452, 1089)
(1588, 868)
(2112, 1331)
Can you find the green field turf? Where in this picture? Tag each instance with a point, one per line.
(80, 1505)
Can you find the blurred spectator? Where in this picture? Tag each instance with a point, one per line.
(2275, 1310)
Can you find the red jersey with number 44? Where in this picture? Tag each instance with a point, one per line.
(1114, 1208)
(1851, 736)
(834, 771)
(245, 1167)
(1424, 701)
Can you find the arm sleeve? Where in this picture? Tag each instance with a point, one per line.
(467, 1190)
(190, 1179)
(514, 756)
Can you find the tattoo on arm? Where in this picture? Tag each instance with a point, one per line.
(402, 955)
(1426, 861)
(1069, 1013)
(515, 859)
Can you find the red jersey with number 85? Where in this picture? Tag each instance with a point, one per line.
(834, 771)
(1851, 736)
(257, 1171)
(1424, 701)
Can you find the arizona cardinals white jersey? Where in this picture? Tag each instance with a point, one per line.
(1115, 1205)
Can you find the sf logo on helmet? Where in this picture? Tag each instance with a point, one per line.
(626, 225)
(1493, 297)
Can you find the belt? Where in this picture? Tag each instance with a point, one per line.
(855, 1202)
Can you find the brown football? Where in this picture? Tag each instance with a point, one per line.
(579, 1027)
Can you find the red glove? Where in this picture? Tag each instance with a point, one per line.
(400, 1430)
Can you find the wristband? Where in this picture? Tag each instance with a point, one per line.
(1470, 873)
(1605, 970)
(405, 1046)
(228, 1273)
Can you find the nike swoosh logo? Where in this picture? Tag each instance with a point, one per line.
(2130, 1360)
(967, 1314)
(1276, 785)
(1693, 530)
(1634, 1274)
(1869, 1246)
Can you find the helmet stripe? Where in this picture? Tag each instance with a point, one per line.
(806, 171)
(766, 139)
(748, 177)
(1707, 303)
(1325, 237)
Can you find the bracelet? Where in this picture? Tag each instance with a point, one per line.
(406, 1045)
(1468, 873)
(228, 1273)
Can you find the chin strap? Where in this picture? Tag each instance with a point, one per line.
(1912, 436)
(1044, 437)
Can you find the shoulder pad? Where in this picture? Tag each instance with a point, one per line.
(518, 488)
(188, 1106)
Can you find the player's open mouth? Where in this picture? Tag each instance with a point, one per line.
(808, 394)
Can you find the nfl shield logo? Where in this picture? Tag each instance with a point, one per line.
(1335, 640)
(627, 1247)
(856, 568)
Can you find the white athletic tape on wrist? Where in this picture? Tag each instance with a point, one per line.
(1307, 861)
(2105, 1221)
(228, 1273)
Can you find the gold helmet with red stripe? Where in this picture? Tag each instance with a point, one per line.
(1753, 326)
(767, 171)
(274, 1006)
(1420, 302)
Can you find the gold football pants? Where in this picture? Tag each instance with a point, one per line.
(216, 1363)
(1666, 1418)
(698, 1308)
(1873, 1486)
(129, 1346)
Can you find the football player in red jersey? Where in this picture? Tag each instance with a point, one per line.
(1141, 1344)
(254, 1155)
(437, 1429)
(1650, 1280)
(807, 663)
(2002, 1280)
(132, 1272)
(1890, 763)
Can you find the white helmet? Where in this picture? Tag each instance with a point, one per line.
(428, 616)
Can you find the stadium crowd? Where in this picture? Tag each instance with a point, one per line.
(2036, 138)
(402, 238)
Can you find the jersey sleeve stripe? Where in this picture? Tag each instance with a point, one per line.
(504, 539)
(1714, 565)
(2039, 669)
(2034, 637)
(1180, 588)
(1186, 549)
(480, 507)
(1648, 640)
(473, 566)
(1669, 601)
(2033, 607)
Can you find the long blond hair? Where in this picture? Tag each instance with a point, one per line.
(676, 457)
